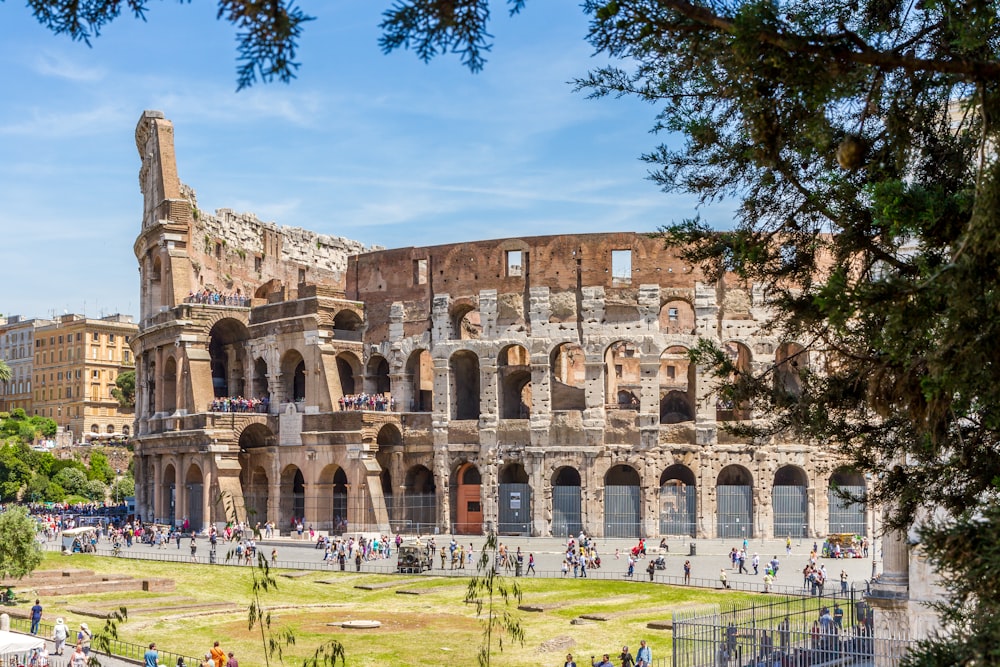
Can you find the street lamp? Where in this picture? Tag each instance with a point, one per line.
(118, 474)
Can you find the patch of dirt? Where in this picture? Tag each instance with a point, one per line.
(559, 644)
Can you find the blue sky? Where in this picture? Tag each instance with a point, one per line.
(380, 148)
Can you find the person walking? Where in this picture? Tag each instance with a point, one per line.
(60, 632)
(531, 564)
(218, 655)
(83, 638)
(79, 658)
(36, 617)
(604, 662)
(569, 661)
(232, 662)
(687, 572)
(626, 657)
(644, 656)
(152, 657)
(208, 662)
(651, 569)
(723, 579)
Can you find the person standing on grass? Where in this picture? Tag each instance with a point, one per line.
(36, 617)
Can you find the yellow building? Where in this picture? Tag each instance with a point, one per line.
(77, 360)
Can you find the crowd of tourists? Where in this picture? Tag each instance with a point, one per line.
(218, 298)
(378, 402)
(240, 404)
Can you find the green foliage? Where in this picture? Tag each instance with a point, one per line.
(5, 373)
(99, 468)
(72, 479)
(124, 389)
(106, 640)
(95, 490)
(19, 551)
(123, 488)
(484, 588)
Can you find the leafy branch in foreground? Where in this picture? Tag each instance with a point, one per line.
(483, 590)
(102, 641)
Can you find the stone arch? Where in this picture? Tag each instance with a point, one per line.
(389, 436)
(514, 500)
(742, 360)
(677, 379)
(677, 317)
(377, 375)
(420, 370)
(622, 502)
(845, 515)
(791, 362)
(126, 431)
(347, 320)
(348, 369)
(331, 499)
(226, 348)
(168, 498)
(293, 376)
(514, 377)
(464, 377)
(790, 501)
(194, 487)
(622, 377)
(678, 501)
(567, 501)
(568, 370)
(419, 500)
(253, 479)
(466, 485)
(734, 495)
(466, 321)
(169, 380)
(260, 384)
(256, 436)
(293, 495)
(270, 287)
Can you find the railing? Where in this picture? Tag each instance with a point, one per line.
(218, 299)
(237, 404)
(348, 334)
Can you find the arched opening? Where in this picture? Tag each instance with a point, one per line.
(467, 500)
(293, 376)
(338, 519)
(569, 377)
(260, 388)
(791, 362)
(678, 501)
(567, 515)
(255, 436)
(420, 500)
(348, 368)
(420, 370)
(677, 317)
(126, 431)
(253, 478)
(168, 499)
(270, 287)
(734, 493)
(169, 386)
(677, 377)
(464, 376)
(847, 516)
(727, 409)
(226, 350)
(466, 322)
(377, 376)
(514, 503)
(790, 498)
(622, 502)
(622, 376)
(195, 487)
(293, 496)
(347, 325)
(514, 377)
(385, 481)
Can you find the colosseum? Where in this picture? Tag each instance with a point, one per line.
(531, 386)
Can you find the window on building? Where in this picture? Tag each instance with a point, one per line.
(420, 272)
(95, 352)
(621, 265)
(126, 357)
(60, 340)
(111, 339)
(672, 314)
(258, 264)
(671, 372)
(514, 259)
(52, 340)
(79, 337)
(618, 370)
(96, 337)
(95, 374)
(302, 276)
(218, 250)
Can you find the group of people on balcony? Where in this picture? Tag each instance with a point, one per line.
(240, 404)
(218, 298)
(377, 402)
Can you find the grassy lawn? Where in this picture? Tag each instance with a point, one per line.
(428, 629)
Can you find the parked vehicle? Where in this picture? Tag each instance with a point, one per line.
(412, 558)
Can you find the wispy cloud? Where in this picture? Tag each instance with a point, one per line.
(97, 120)
(59, 66)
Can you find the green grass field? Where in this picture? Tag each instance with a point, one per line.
(433, 628)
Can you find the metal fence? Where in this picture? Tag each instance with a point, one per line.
(788, 631)
(621, 511)
(567, 514)
(677, 510)
(845, 516)
(735, 515)
(789, 510)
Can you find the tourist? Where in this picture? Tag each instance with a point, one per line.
(626, 657)
(722, 578)
(152, 657)
(36, 617)
(218, 655)
(687, 572)
(232, 661)
(605, 661)
(60, 632)
(79, 658)
(569, 661)
(651, 569)
(644, 656)
(208, 662)
(83, 637)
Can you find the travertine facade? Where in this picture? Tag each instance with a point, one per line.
(538, 385)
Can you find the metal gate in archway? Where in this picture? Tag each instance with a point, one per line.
(621, 511)
(790, 511)
(735, 511)
(847, 517)
(514, 517)
(677, 510)
(567, 515)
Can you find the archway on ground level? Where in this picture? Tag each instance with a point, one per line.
(790, 498)
(514, 377)
(420, 500)
(467, 500)
(169, 403)
(734, 496)
(678, 501)
(377, 377)
(253, 479)
(168, 497)
(464, 366)
(622, 502)
(194, 484)
(293, 496)
(293, 375)
(677, 379)
(420, 369)
(568, 370)
(622, 375)
(514, 502)
(567, 506)
(847, 516)
(227, 340)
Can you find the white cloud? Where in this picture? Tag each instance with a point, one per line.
(59, 66)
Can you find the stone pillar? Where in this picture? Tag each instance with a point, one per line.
(401, 388)
(180, 492)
